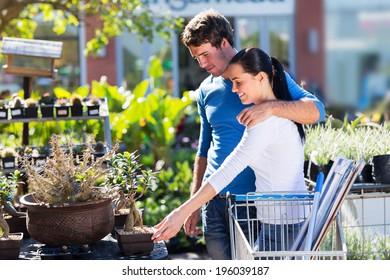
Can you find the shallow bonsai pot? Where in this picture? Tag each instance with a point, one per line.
(10, 248)
(134, 243)
(72, 224)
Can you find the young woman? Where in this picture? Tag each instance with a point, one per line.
(273, 148)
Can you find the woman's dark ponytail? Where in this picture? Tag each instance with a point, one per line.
(280, 88)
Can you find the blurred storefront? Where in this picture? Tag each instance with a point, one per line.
(357, 52)
(277, 26)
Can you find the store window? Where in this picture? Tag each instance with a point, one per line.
(357, 56)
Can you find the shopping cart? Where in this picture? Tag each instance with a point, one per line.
(283, 215)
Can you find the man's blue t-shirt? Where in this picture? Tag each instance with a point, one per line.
(220, 131)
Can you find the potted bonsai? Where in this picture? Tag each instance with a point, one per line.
(130, 183)
(76, 102)
(62, 107)
(9, 242)
(93, 106)
(46, 104)
(17, 110)
(31, 108)
(64, 205)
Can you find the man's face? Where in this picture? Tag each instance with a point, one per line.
(210, 58)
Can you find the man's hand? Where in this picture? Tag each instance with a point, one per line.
(190, 224)
(255, 114)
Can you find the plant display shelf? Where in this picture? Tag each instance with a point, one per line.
(104, 117)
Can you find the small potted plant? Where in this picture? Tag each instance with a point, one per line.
(130, 182)
(76, 102)
(31, 108)
(99, 149)
(46, 104)
(9, 242)
(93, 106)
(62, 108)
(3, 110)
(17, 110)
(9, 156)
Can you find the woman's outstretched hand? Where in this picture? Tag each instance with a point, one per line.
(168, 227)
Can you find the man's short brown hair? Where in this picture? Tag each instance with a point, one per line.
(208, 26)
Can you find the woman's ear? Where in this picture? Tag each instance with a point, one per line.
(260, 76)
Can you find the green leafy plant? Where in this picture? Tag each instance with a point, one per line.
(130, 182)
(8, 185)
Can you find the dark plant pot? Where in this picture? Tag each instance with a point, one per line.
(73, 224)
(47, 111)
(3, 114)
(119, 222)
(10, 248)
(365, 175)
(18, 224)
(62, 111)
(381, 169)
(134, 243)
(39, 160)
(17, 113)
(31, 112)
(315, 169)
(9, 162)
(93, 110)
(76, 111)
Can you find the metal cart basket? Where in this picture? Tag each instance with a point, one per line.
(281, 216)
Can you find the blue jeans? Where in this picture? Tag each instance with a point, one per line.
(216, 229)
(277, 237)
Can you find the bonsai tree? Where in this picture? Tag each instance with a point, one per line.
(8, 185)
(130, 183)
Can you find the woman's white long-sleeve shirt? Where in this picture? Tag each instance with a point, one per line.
(274, 150)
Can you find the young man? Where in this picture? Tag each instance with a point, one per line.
(209, 38)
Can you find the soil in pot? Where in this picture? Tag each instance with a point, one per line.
(10, 248)
(136, 242)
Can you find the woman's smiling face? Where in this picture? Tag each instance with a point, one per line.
(247, 86)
